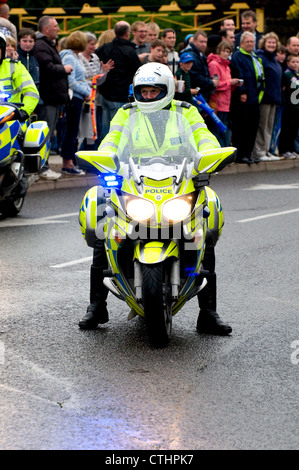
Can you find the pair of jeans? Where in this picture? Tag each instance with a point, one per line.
(50, 114)
(224, 138)
(110, 108)
(69, 144)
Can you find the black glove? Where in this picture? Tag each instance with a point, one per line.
(21, 115)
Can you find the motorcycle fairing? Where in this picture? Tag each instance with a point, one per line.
(206, 162)
(216, 218)
(8, 140)
(98, 161)
(37, 142)
(155, 252)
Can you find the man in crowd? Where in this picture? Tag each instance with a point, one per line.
(199, 73)
(293, 45)
(248, 24)
(246, 98)
(228, 24)
(115, 89)
(229, 36)
(6, 27)
(168, 36)
(53, 79)
(139, 32)
(153, 31)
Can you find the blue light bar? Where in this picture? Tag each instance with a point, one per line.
(111, 181)
(4, 96)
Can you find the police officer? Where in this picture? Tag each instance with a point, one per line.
(17, 82)
(153, 89)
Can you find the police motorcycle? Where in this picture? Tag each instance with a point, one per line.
(153, 208)
(24, 149)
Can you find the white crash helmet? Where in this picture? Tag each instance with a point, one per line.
(2, 47)
(156, 75)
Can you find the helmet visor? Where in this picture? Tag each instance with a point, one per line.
(150, 93)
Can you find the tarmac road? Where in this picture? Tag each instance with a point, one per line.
(63, 388)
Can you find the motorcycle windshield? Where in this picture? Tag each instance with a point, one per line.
(166, 133)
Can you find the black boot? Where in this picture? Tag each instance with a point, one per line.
(208, 318)
(97, 310)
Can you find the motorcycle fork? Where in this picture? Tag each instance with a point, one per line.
(174, 279)
(138, 280)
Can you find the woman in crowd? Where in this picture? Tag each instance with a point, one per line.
(11, 48)
(93, 66)
(106, 36)
(79, 90)
(268, 47)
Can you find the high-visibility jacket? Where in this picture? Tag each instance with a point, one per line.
(16, 80)
(143, 138)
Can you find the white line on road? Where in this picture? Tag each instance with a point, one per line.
(271, 187)
(72, 263)
(23, 222)
(259, 217)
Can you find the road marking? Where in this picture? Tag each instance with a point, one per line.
(51, 219)
(72, 263)
(259, 217)
(266, 187)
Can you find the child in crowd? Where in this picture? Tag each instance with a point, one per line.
(157, 51)
(290, 113)
(182, 73)
(219, 65)
(26, 44)
(281, 54)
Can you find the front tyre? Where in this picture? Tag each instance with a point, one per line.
(156, 304)
(11, 208)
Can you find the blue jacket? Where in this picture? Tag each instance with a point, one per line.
(273, 77)
(199, 73)
(29, 61)
(77, 78)
(245, 69)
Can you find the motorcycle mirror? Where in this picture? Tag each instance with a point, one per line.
(213, 160)
(98, 162)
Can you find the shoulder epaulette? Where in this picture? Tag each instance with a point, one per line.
(185, 104)
(129, 105)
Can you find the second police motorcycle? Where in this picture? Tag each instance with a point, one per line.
(24, 149)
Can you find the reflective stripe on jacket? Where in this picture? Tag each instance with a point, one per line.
(16, 80)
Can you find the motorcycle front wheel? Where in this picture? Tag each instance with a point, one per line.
(11, 208)
(156, 304)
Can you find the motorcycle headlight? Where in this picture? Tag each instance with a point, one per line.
(140, 209)
(177, 209)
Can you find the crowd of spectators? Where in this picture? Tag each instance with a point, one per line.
(248, 79)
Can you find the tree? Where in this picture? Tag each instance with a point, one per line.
(293, 11)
